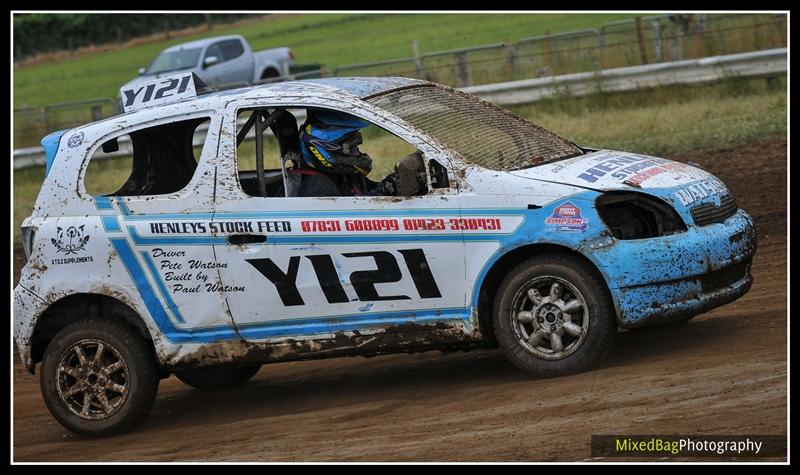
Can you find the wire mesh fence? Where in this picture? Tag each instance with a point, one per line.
(615, 44)
(643, 40)
(32, 123)
(674, 37)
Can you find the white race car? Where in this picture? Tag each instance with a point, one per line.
(500, 234)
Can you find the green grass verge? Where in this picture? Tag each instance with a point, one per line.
(330, 39)
(668, 121)
(665, 122)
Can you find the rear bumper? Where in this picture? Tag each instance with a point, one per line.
(27, 306)
(664, 279)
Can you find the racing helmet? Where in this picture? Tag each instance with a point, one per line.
(329, 142)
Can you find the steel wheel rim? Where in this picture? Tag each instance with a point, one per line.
(92, 379)
(549, 317)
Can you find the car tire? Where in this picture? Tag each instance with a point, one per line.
(217, 377)
(107, 362)
(581, 317)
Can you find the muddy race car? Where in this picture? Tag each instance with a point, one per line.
(206, 263)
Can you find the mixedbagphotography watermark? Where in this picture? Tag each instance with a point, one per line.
(689, 446)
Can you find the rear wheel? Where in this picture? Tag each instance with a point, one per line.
(218, 376)
(98, 377)
(553, 316)
(270, 73)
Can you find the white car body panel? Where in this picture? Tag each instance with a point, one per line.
(483, 214)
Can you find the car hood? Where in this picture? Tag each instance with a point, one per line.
(606, 170)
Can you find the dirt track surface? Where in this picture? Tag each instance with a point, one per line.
(723, 373)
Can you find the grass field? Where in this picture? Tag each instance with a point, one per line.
(663, 122)
(330, 39)
(669, 121)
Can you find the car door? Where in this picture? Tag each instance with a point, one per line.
(156, 221)
(300, 266)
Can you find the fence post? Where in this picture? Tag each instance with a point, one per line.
(772, 83)
(702, 22)
(657, 40)
(511, 59)
(462, 70)
(97, 112)
(548, 47)
(417, 60)
(640, 39)
(601, 42)
(675, 46)
(40, 123)
(45, 118)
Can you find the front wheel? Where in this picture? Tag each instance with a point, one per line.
(98, 377)
(553, 316)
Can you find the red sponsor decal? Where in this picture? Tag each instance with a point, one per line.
(410, 224)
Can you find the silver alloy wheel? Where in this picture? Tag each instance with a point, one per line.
(92, 379)
(549, 317)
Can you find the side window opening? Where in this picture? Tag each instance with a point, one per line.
(280, 163)
(216, 51)
(231, 49)
(157, 160)
(259, 153)
(438, 175)
(385, 149)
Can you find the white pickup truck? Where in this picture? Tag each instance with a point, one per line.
(220, 61)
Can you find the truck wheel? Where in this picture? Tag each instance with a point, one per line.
(270, 73)
(218, 376)
(553, 316)
(98, 377)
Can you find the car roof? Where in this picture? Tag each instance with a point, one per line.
(358, 87)
(355, 87)
(202, 42)
(362, 87)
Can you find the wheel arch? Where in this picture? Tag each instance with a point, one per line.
(269, 72)
(76, 307)
(503, 264)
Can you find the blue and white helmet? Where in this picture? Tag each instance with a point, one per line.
(329, 142)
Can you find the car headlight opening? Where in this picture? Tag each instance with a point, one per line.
(630, 215)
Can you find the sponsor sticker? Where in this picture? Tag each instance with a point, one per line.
(70, 241)
(700, 190)
(567, 217)
(632, 169)
(75, 140)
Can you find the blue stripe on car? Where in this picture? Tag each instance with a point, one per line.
(300, 327)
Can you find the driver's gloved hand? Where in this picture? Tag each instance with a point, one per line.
(385, 187)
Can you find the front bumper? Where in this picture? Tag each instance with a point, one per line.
(668, 278)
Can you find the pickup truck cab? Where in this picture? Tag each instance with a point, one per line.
(218, 61)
